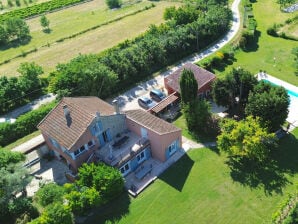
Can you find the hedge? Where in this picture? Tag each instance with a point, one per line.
(37, 9)
(24, 125)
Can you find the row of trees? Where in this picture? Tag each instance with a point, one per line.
(97, 184)
(13, 29)
(17, 91)
(132, 61)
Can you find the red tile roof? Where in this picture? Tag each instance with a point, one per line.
(82, 111)
(151, 122)
(202, 76)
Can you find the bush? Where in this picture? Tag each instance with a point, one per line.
(79, 202)
(49, 194)
(272, 31)
(55, 214)
(113, 3)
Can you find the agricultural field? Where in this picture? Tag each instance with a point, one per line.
(5, 7)
(50, 48)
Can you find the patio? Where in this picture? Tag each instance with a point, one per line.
(135, 182)
(125, 146)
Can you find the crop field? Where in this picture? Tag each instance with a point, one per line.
(132, 20)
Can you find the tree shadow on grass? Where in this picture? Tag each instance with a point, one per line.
(270, 174)
(16, 43)
(111, 212)
(253, 46)
(176, 176)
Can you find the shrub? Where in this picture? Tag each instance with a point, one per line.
(24, 125)
(113, 3)
(49, 194)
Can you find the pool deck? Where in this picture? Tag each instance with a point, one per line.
(293, 108)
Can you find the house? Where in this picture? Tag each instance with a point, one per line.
(203, 77)
(84, 129)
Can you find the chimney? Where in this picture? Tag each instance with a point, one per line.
(116, 106)
(66, 111)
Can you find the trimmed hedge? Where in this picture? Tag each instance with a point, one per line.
(38, 9)
(24, 125)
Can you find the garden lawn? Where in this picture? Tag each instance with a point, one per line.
(199, 189)
(181, 123)
(79, 18)
(261, 56)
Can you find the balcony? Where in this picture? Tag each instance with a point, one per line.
(125, 148)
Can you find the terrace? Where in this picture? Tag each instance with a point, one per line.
(122, 149)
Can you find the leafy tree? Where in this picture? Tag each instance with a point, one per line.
(44, 22)
(105, 179)
(81, 201)
(29, 80)
(83, 76)
(17, 29)
(49, 193)
(188, 86)
(197, 114)
(234, 88)
(55, 213)
(270, 103)
(246, 138)
(14, 178)
(183, 15)
(114, 3)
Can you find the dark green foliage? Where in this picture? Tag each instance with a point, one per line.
(270, 103)
(197, 115)
(113, 3)
(188, 86)
(17, 91)
(83, 76)
(234, 88)
(21, 206)
(7, 157)
(293, 217)
(37, 9)
(44, 22)
(49, 193)
(272, 31)
(132, 61)
(55, 213)
(13, 29)
(183, 15)
(105, 179)
(24, 125)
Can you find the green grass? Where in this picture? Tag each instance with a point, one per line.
(79, 18)
(181, 123)
(261, 56)
(22, 140)
(199, 188)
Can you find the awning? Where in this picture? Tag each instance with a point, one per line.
(164, 103)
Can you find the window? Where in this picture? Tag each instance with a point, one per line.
(141, 157)
(90, 143)
(125, 169)
(80, 150)
(172, 148)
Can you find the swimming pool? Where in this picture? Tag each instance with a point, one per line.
(293, 94)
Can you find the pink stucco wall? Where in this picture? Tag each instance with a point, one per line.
(84, 139)
(159, 143)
